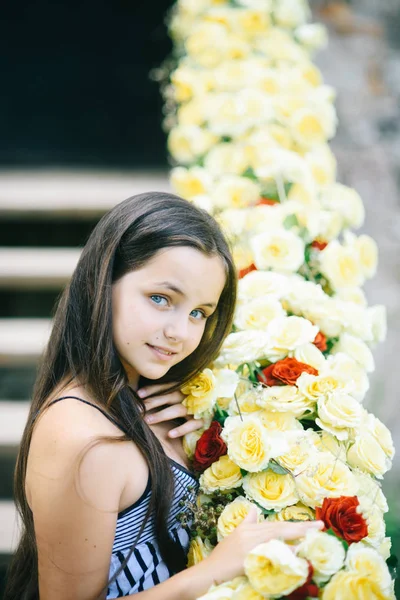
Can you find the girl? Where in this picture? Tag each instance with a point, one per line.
(101, 479)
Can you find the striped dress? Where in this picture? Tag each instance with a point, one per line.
(145, 567)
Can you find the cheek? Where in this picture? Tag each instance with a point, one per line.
(194, 340)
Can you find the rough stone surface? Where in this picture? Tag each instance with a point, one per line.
(364, 68)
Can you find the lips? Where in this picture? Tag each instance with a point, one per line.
(162, 353)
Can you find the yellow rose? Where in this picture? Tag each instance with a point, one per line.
(367, 454)
(191, 113)
(220, 592)
(376, 523)
(235, 114)
(246, 592)
(188, 142)
(368, 255)
(285, 399)
(242, 346)
(200, 393)
(323, 164)
(189, 183)
(325, 552)
(321, 386)
(325, 478)
(226, 159)
(326, 442)
(271, 490)
(258, 313)
(311, 127)
(350, 585)
(299, 455)
(190, 440)
(368, 562)
(247, 401)
(274, 570)
(198, 551)
(279, 422)
(380, 432)
(369, 491)
(233, 514)
(312, 35)
(221, 475)
(280, 250)
(337, 413)
(341, 266)
(251, 22)
(233, 191)
(297, 512)
(249, 444)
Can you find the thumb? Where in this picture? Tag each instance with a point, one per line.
(252, 516)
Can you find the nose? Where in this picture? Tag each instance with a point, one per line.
(177, 327)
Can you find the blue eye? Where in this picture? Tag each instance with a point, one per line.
(159, 300)
(200, 312)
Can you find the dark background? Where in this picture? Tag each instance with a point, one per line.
(75, 83)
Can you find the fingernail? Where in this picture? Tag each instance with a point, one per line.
(173, 433)
(149, 419)
(141, 393)
(318, 524)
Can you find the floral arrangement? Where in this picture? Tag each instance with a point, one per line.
(249, 121)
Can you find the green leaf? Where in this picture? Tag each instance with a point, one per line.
(220, 416)
(276, 468)
(393, 563)
(290, 221)
(243, 472)
(250, 174)
(333, 534)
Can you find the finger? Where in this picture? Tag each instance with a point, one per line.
(167, 414)
(148, 390)
(188, 427)
(292, 531)
(157, 401)
(251, 517)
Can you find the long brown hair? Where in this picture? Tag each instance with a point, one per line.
(81, 346)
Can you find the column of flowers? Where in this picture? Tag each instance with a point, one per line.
(249, 121)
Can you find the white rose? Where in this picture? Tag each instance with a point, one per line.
(324, 552)
(285, 399)
(231, 221)
(375, 522)
(288, 333)
(367, 454)
(314, 125)
(368, 255)
(346, 202)
(312, 35)
(352, 294)
(369, 491)
(299, 455)
(281, 250)
(291, 13)
(343, 366)
(279, 422)
(234, 114)
(241, 347)
(357, 349)
(301, 293)
(337, 413)
(325, 315)
(378, 322)
(380, 432)
(259, 284)
(258, 313)
(315, 387)
(310, 355)
(341, 266)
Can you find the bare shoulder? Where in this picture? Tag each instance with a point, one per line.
(68, 446)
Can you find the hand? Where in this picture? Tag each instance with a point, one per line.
(155, 413)
(227, 558)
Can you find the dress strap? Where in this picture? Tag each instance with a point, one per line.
(103, 412)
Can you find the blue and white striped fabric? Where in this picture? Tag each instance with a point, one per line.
(145, 567)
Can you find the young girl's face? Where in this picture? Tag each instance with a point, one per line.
(160, 311)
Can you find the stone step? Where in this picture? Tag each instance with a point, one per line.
(44, 193)
(13, 416)
(36, 267)
(22, 340)
(9, 529)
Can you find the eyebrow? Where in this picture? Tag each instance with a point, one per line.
(175, 289)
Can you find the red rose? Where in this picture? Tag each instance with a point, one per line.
(209, 447)
(308, 589)
(267, 201)
(320, 342)
(285, 372)
(319, 245)
(249, 269)
(340, 515)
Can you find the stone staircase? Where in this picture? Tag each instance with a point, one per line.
(45, 217)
